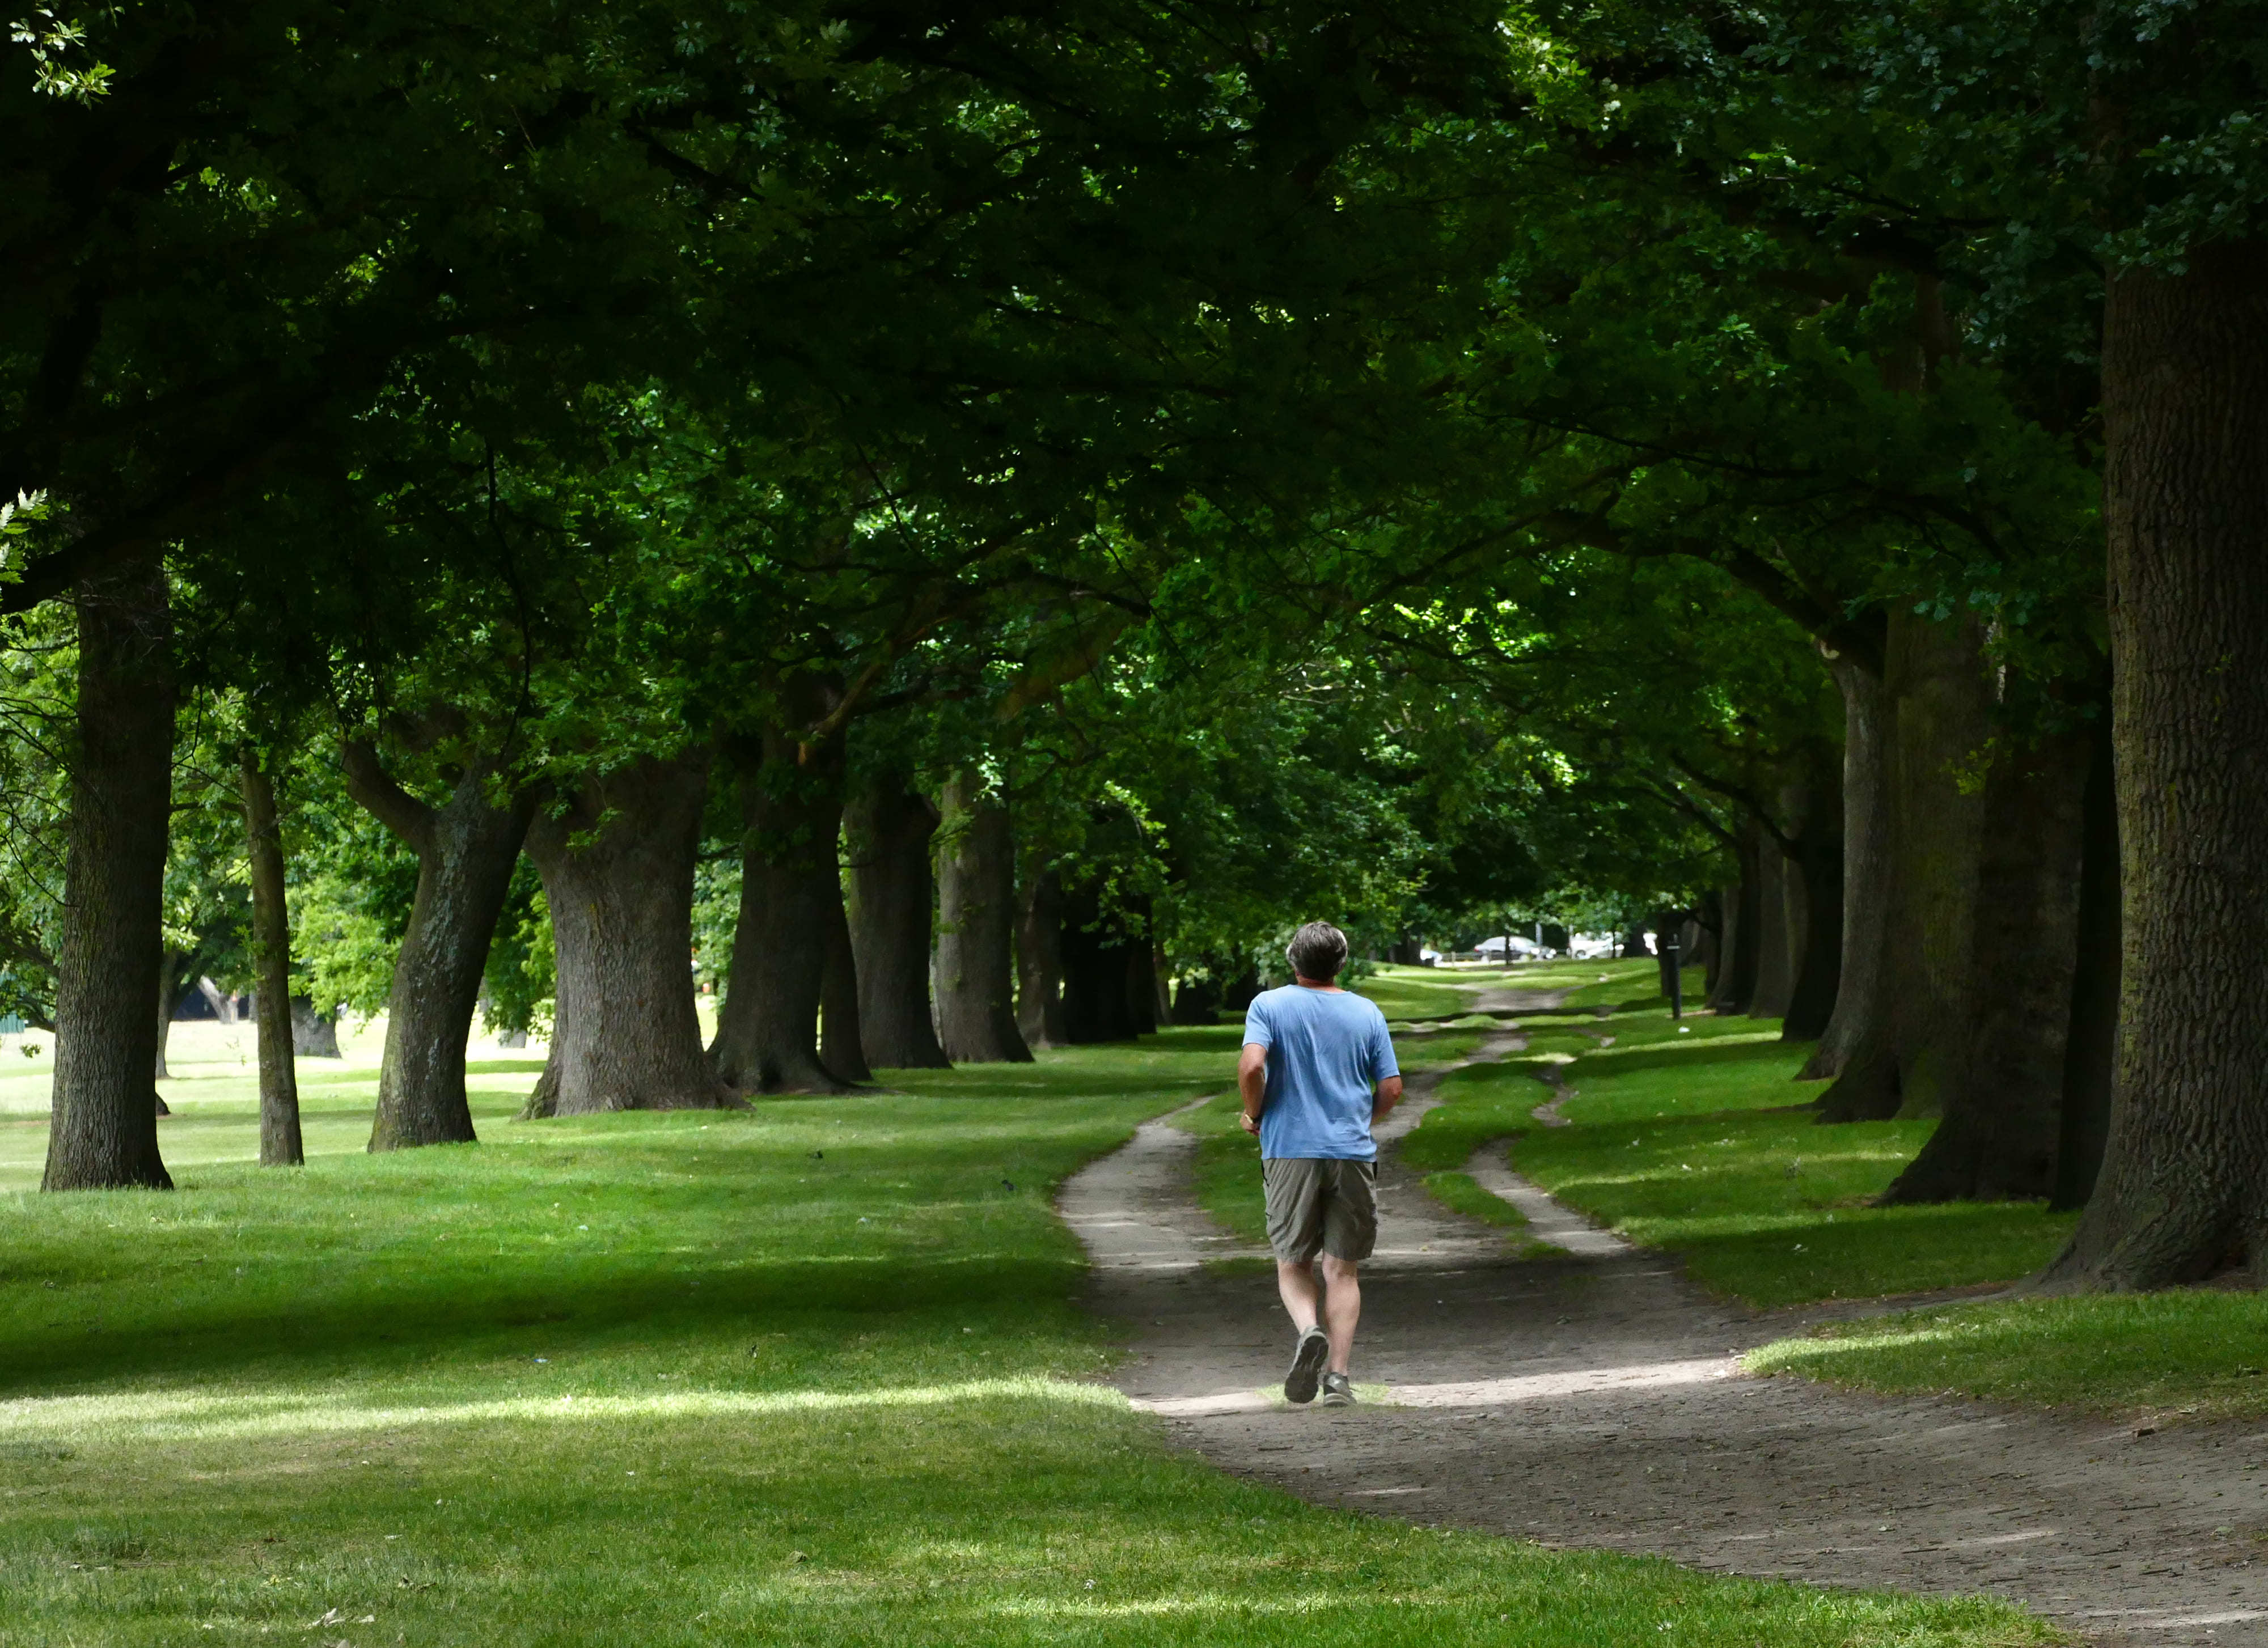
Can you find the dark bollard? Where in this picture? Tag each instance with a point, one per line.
(1676, 978)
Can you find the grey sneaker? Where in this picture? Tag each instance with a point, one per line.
(1338, 1391)
(1308, 1363)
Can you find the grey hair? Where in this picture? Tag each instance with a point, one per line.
(1317, 951)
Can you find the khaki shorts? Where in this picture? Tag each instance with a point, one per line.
(1314, 1204)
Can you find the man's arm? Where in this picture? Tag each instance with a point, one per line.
(1252, 1083)
(1383, 1098)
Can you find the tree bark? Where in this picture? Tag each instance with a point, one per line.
(842, 1044)
(975, 928)
(888, 828)
(466, 848)
(617, 867)
(2183, 1186)
(271, 957)
(1095, 1002)
(313, 1034)
(104, 1133)
(2091, 1059)
(1813, 806)
(1039, 961)
(790, 899)
(169, 986)
(1712, 921)
(1861, 1009)
(1775, 969)
(1938, 720)
(2004, 1092)
(1736, 977)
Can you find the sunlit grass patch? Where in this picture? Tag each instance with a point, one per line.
(2194, 1353)
(1418, 992)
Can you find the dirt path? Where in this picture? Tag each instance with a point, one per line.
(1595, 1400)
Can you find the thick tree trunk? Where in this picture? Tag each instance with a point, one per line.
(1712, 921)
(1861, 1010)
(313, 1034)
(618, 868)
(2004, 1092)
(1096, 961)
(1940, 721)
(975, 928)
(1039, 961)
(223, 1004)
(543, 1098)
(104, 1133)
(271, 959)
(169, 989)
(842, 1044)
(790, 900)
(886, 832)
(1814, 809)
(1633, 945)
(1775, 967)
(1737, 977)
(466, 848)
(1142, 978)
(2090, 1060)
(2183, 1186)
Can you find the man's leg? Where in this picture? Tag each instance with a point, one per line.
(1342, 1306)
(1297, 1283)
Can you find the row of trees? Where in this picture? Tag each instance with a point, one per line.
(1178, 469)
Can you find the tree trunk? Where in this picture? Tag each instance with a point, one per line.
(1861, 1009)
(1938, 720)
(1712, 921)
(169, 986)
(1161, 983)
(886, 832)
(104, 1133)
(790, 899)
(842, 1045)
(1142, 979)
(543, 1098)
(1096, 1004)
(466, 848)
(271, 959)
(223, 1004)
(975, 928)
(313, 1034)
(2091, 1058)
(2004, 1092)
(1775, 969)
(1039, 961)
(2183, 1186)
(618, 868)
(1814, 807)
(1633, 945)
(1736, 978)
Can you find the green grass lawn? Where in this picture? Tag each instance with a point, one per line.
(1685, 1136)
(810, 1373)
(2192, 1353)
(1420, 992)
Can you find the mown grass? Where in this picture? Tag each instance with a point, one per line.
(1418, 992)
(2191, 1354)
(811, 1374)
(1690, 1138)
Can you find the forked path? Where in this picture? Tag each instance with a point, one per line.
(1594, 1400)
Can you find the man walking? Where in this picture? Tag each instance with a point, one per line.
(1317, 1071)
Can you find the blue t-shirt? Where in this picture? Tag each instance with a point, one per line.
(1327, 1050)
